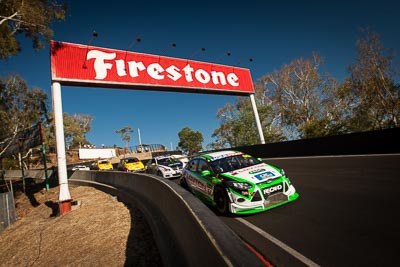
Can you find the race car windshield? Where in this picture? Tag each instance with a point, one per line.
(232, 163)
(132, 160)
(169, 162)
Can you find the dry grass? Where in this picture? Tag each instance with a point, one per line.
(101, 231)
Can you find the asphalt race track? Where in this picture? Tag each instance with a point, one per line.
(346, 214)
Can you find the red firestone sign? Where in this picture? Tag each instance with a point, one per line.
(82, 65)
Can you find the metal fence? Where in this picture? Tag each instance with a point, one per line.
(147, 148)
(7, 210)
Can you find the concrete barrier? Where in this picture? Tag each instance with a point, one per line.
(385, 141)
(186, 231)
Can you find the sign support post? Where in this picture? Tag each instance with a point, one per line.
(257, 118)
(64, 195)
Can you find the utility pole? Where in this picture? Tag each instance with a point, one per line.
(140, 141)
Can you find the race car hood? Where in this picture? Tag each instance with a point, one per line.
(173, 166)
(133, 165)
(259, 173)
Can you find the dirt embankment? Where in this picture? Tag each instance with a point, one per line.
(99, 231)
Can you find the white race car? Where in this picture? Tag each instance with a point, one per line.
(165, 166)
(80, 168)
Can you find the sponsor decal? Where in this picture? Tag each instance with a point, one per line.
(156, 71)
(74, 64)
(248, 169)
(196, 183)
(226, 156)
(273, 189)
(256, 171)
(265, 175)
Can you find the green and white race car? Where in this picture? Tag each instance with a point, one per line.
(235, 182)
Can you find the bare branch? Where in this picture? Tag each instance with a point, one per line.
(8, 18)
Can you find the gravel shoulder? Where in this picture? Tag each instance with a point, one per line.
(99, 231)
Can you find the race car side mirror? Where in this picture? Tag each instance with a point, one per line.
(205, 173)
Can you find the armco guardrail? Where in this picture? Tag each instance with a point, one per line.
(186, 231)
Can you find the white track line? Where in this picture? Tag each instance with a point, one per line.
(280, 244)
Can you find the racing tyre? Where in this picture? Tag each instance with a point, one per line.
(159, 173)
(221, 200)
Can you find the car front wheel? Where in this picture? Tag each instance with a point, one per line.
(221, 200)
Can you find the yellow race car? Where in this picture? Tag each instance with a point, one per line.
(131, 164)
(102, 165)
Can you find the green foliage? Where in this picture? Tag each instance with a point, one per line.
(305, 102)
(125, 133)
(20, 107)
(31, 18)
(297, 101)
(190, 142)
(8, 44)
(238, 125)
(75, 129)
(372, 95)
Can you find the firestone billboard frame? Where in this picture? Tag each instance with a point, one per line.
(89, 66)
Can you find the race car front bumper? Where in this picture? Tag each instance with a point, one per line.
(241, 205)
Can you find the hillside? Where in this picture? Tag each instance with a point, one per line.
(99, 231)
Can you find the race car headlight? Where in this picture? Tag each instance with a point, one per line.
(283, 172)
(240, 186)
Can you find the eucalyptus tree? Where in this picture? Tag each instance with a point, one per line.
(371, 91)
(125, 133)
(20, 106)
(190, 142)
(76, 127)
(306, 102)
(32, 18)
(238, 125)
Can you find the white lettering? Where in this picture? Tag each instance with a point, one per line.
(120, 67)
(173, 73)
(154, 71)
(272, 189)
(215, 75)
(233, 79)
(135, 67)
(202, 76)
(188, 73)
(99, 66)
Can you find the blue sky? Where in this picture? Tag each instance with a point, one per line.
(272, 33)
